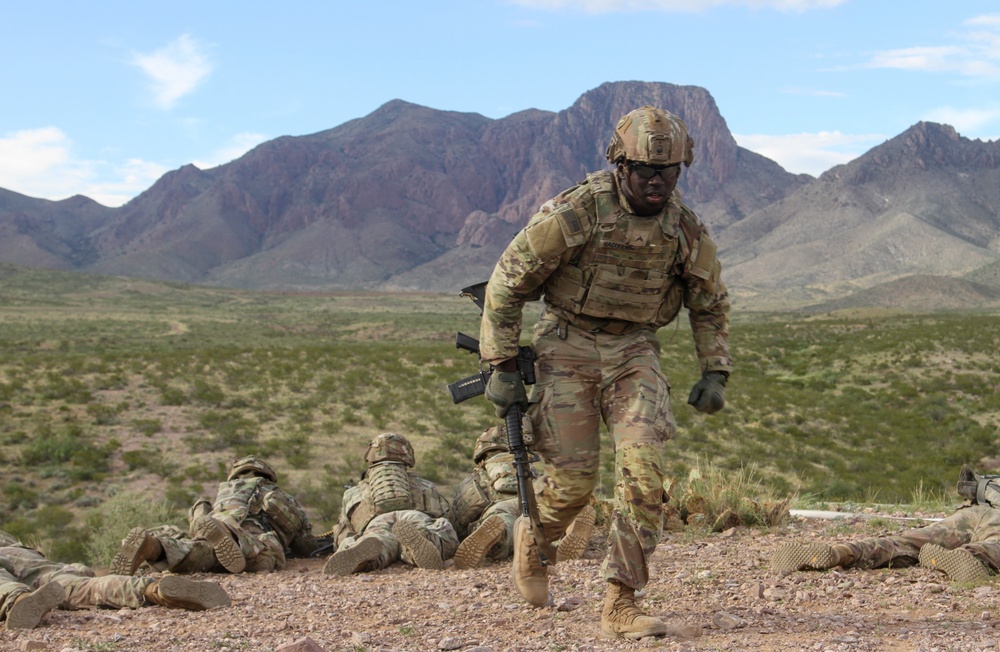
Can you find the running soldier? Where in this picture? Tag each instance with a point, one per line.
(614, 259)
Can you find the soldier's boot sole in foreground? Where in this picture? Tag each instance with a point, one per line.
(958, 564)
(531, 578)
(30, 608)
(574, 542)
(472, 551)
(227, 551)
(350, 560)
(138, 547)
(421, 549)
(177, 592)
(804, 556)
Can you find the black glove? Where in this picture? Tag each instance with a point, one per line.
(504, 389)
(709, 394)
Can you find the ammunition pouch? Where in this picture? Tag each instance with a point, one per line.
(469, 502)
(284, 514)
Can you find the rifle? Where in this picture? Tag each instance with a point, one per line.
(475, 385)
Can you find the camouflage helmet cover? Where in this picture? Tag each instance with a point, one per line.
(390, 447)
(651, 135)
(491, 441)
(251, 463)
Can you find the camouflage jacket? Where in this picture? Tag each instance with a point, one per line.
(259, 505)
(544, 259)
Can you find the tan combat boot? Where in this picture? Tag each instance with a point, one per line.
(810, 556)
(574, 542)
(227, 551)
(175, 592)
(416, 546)
(530, 577)
(360, 557)
(472, 551)
(29, 608)
(621, 616)
(137, 548)
(959, 564)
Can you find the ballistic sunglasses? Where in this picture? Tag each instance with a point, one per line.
(647, 171)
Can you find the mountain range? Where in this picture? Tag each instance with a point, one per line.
(413, 198)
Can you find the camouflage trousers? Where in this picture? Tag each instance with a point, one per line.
(23, 570)
(583, 379)
(975, 528)
(184, 554)
(508, 510)
(440, 531)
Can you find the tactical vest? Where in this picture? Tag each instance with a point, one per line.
(384, 491)
(257, 501)
(628, 267)
(492, 481)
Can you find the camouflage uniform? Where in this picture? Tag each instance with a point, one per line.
(965, 545)
(609, 279)
(24, 570)
(265, 523)
(489, 490)
(975, 528)
(388, 500)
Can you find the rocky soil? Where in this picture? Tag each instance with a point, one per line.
(715, 591)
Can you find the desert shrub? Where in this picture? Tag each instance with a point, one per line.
(718, 499)
(111, 521)
(148, 427)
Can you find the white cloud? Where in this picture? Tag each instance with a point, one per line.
(609, 6)
(972, 123)
(810, 153)
(976, 53)
(40, 163)
(239, 145)
(174, 70)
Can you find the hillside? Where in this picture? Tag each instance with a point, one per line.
(924, 203)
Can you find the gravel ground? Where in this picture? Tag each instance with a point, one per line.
(715, 591)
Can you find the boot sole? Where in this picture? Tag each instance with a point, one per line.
(346, 562)
(29, 610)
(192, 595)
(577, 536)
(227, 551)
(472, 552)
(424, 553)
(809, 556)
(132, 553)
(959, 565)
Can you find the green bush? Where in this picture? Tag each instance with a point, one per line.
(113, 519)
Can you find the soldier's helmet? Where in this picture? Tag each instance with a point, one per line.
(489, 443)
(252, 464)
(390, 447)
(651, 135)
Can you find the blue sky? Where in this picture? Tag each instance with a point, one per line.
(102, 98)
